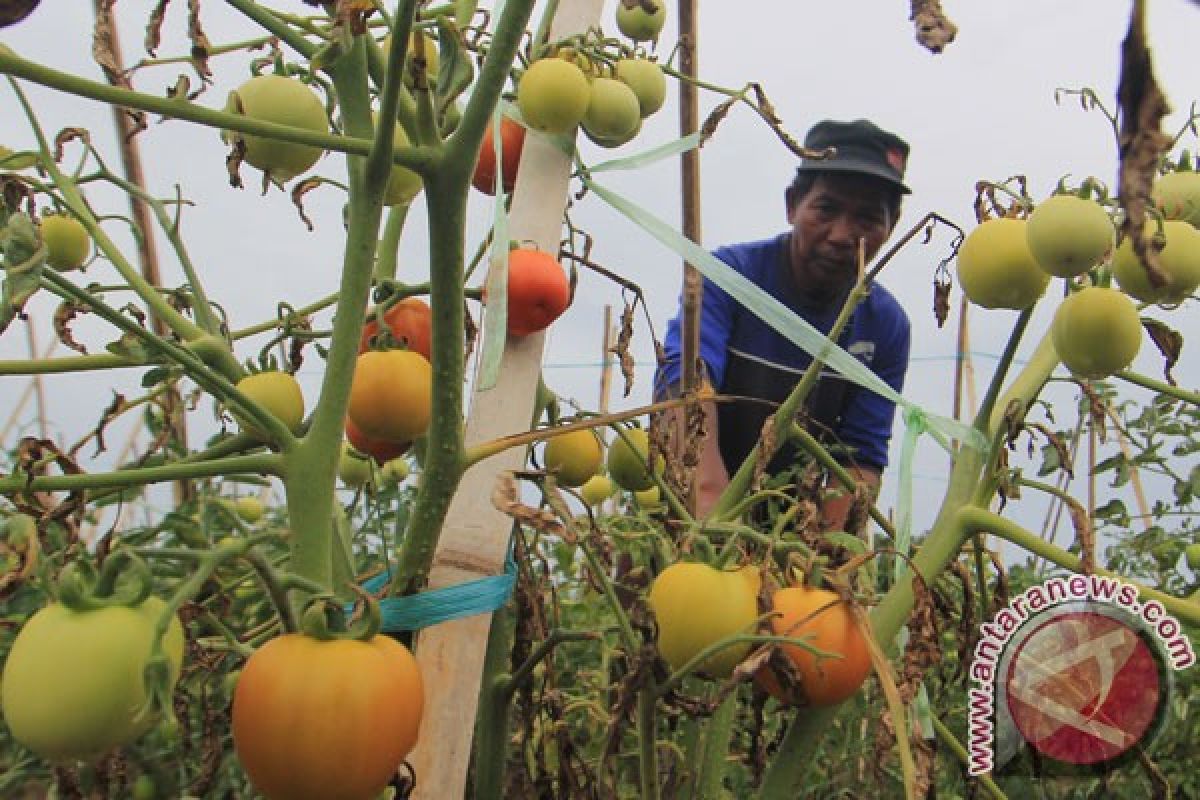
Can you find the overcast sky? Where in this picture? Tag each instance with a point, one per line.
(983, 109)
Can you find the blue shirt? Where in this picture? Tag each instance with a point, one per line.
(739, 350)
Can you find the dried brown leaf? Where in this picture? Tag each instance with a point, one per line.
(941, 295)
(154, 26)
(1142, 143)
(63, 315)
(934, 29)
(505, 497)
(300, 189)
(1168, 341)
(201, 47)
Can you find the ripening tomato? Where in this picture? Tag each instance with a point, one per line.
(574, 457)
(277, 392)
(67, 242)
(285, 101)
(73, 684)
(639, 24)
(381, 450)
(410, 322)
(318, 719)
(696, 606)
(391, 395)
(613, 112)
(512, 141)
(1096, 332)
(627, 461)
(647, 81)
(597, 489)
(820, 617)
(538, 291)
(1069, 235)
(996, 268)
(553, 95)
(1179, 259)
(1177, 195)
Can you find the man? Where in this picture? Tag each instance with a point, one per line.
(833, 205)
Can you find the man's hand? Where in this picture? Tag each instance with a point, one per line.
(838, 499)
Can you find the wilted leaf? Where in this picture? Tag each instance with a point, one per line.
(934, 29)
(1168, 341)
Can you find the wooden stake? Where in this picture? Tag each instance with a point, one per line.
(689, 167)
(606, 370)
(475, 540)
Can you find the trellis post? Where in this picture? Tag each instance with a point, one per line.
(475, 539)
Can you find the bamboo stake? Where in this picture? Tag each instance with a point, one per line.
(689, 164)
(147, 249)
(606, 370)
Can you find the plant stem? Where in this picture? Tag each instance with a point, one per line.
(65, 364)
(647, 719)
(256, 464)
(715, 738)
(977, 518)
(491, 725)
(1192, 398)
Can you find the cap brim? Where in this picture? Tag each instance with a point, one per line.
(856, 166)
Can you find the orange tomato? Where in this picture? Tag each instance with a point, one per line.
(805, 612)
(538, 291)
(391, 395)
(512, 140)
(411, 324)
(316, 719)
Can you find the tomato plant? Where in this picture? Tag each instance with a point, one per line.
(73, 685)
(318, 719)
(637, 23)
(996, 268)
(613, 113)
(381, 450)
(553, 95)
(512, 141)
(409, 322)
(574, 457)
(647, 81)
(538, 291)
(1179, 259)
(67, 242)
(285, 101)
(279, 393)
(629, 459)
(696, 606)
(1068, 235)
(821, 619)
(1097, 332)
(390, 395)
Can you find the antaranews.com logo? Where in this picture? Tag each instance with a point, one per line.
(1078, 667)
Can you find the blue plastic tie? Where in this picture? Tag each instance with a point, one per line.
(433, 606)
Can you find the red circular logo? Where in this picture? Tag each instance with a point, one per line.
(1084, 688)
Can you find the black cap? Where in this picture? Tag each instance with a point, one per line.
(861, 146)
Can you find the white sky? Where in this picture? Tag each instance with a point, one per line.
(984, 109)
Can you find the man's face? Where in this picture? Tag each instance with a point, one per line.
(827, 224)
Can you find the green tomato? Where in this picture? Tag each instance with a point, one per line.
(647, 81)
(250, 509)
(639, 24)
(277, 392)
(73, 686)
(996, 268)
(1177, 195)
(67, 242)
(1097, 331)
(597, 489)
(627, 461)
(574, 457)
(1069, 235)
(1179, 259)
(394, 471)
(696, 606)
(1192, 554)
(613, 110)
(553, 95)
(285, 101)
(353, 471)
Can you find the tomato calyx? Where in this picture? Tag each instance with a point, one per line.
(325, 618)
(81, 588)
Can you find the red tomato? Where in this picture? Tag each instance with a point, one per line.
(411, 323)
(512, 140)
(317, 719)
(381, 450)
(538, 291)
